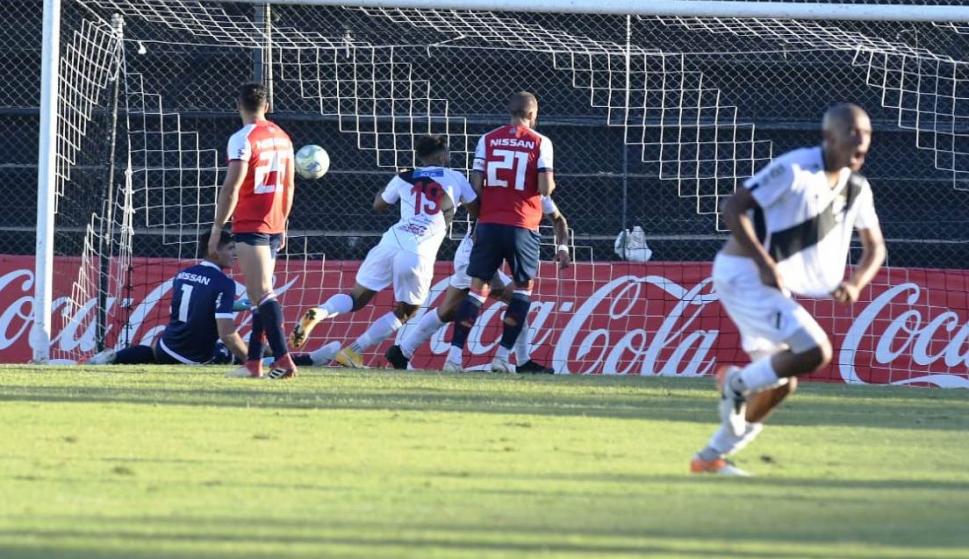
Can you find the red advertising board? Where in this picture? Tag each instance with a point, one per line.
(910, 327)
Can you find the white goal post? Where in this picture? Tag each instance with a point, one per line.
(674, 8)
(667, 106)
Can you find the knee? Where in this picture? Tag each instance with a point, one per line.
(825, 354)
(817, 357)
(360, 297)
(404, 311)
(446, 314)
(358, 303)
(258, 294)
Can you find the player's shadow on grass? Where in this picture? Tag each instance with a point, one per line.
(416, 537)
(905, 409)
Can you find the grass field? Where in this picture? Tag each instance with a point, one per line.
(176, 462)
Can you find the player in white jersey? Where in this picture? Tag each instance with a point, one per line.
(458, 286)
(791, 230)
(405, 256)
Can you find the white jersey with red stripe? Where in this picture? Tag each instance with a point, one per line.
(428, 197)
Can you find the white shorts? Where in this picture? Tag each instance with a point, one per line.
(410, 272)
(766, 317)
(462, 256)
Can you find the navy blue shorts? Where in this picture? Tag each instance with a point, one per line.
(495, 243)
(272, 240)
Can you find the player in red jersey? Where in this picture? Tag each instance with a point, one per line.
(512, 171)
(258, 195)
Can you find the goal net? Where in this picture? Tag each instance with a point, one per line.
(655, 118)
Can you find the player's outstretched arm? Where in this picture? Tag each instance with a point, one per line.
(477, 182)
(561, 226)
(379, 204)
(473, 207)
(742, 229)
(546, 183)
(231, 338)
(290, 195)
(873, 254)
(228, 198)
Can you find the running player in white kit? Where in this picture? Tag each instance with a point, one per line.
(791, 228)
(405, 256)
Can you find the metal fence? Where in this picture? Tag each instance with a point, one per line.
(654, 120)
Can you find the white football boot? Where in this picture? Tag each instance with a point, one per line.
(452, 367)
(501, 365)
(106, 357)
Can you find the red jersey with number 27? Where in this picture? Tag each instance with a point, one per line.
(263, 196)
(511, 157)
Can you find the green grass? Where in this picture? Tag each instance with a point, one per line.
(176, 462)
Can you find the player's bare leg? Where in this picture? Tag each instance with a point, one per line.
(761, 386)
(806, 354)
(340, 303)
(723, 443)
(523, 349)
(464, 319)
(380, 330)
(514, 321)
(431, 321)
(257, 263)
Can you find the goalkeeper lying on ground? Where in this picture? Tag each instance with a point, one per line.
(202, 327)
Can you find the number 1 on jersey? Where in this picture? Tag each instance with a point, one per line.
(185, 302)
(517, 160)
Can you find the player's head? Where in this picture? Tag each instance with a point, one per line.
(523, 108)
(225, 255)
(432, 150)
(253, 99)
(847, 136)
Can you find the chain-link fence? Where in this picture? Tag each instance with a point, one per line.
(654, 120)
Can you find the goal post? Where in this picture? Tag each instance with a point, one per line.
(839, 11)
(658, 112)
(46, 181)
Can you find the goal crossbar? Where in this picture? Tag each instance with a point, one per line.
(671, 8)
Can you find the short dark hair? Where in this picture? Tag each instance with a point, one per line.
(224, 238)
(428, 146)
(522, 103)
(253, 96)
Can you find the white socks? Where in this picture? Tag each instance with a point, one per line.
(755, 377)
(381, 329)
(724, 442)
(523, 350)
(338, 304)
(429, 323)
(325, 354)
(502, 353)
(455, 354)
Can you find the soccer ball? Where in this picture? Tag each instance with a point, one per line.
(312, 162)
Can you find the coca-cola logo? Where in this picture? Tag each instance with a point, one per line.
(643, 324)
(902, 334)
